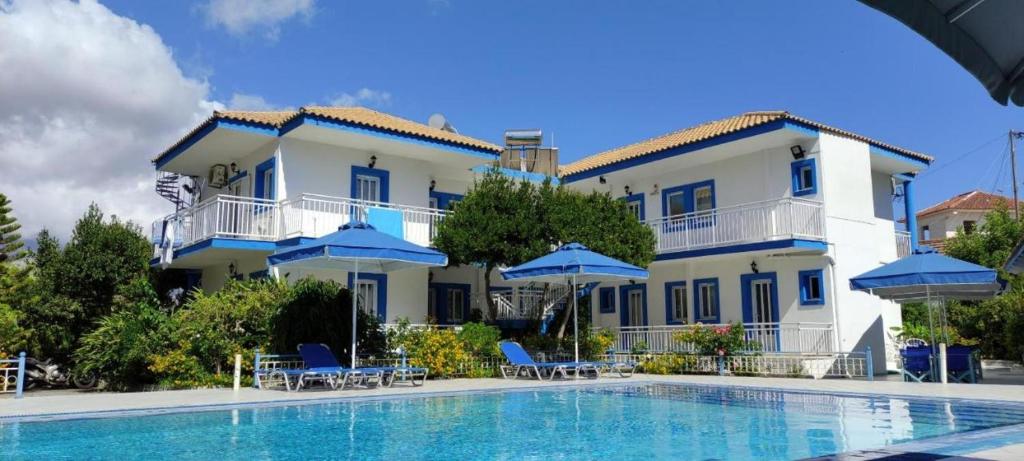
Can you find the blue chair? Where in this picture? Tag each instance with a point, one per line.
(404, 373)
(321, 361)
(961, 364)
(917, 363)
(521, 361)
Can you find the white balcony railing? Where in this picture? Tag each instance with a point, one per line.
(764, 337)
(902, 244)
(749, 223)
(528, 302)
(308, 215)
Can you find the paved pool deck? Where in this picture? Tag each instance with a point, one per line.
(69, 405)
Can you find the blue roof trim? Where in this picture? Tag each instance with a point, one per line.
(802, 128)
(222, 244)
(812, 245)
(532, 177)
(314, 120)
(236, 125)
(883, 152)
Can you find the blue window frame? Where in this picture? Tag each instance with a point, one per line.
(447, 297)
(685, 199)
(705, 300)
(626, 317)
(812, 287)
(382, 291)
(264, 186)
(677, 309)
(444, 199)
(804, 175)
(382, 179)
(606, 300)
(636, 204)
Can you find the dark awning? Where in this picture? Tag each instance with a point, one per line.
(986, 37)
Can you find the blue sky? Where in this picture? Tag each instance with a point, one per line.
(597, 75)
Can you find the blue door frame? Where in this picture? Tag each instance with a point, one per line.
(748, 299)
(441, 300)
(624, 302)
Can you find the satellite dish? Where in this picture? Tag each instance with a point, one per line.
(439, 122)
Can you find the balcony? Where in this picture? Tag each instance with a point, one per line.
(773, 220)
(762, 337)
(309, 215)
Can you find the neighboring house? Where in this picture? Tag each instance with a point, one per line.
(760, 218)
(966, 211)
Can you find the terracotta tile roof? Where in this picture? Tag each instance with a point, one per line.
(711, 130)
(374, 119)
(938, 245)
(973, 200)
(354, 115)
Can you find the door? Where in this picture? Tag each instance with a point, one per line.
(456, 305)
(635, 302)
(761, 310)
(432, 304)
(366, 290)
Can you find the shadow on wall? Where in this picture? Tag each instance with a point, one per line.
(873, 336)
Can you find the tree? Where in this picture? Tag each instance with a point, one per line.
(75, 285)
(495, 224)
(502, 222)
(994, 323)
(11, 246)
(14, 279)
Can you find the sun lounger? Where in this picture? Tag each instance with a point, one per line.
(320, 359)
(917, 363)
(960, 364)
(521, 362)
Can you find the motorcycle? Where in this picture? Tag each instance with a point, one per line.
(46, 373)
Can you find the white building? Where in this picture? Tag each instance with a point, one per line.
(965, 211)
(761, 218)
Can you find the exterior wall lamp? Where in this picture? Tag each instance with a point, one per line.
(373, 161)
(601, 179)
(627, 189)
(433, 184)
(753, 267)
(797, 151)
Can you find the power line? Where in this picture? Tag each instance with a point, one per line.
(961, 156)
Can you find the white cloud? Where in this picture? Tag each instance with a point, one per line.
(89, 97)
(243, 101)
(363, 97)
(241, 16)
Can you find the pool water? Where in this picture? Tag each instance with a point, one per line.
(636, 421)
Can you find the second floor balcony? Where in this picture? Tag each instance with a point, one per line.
(771, 220)
(309, 215)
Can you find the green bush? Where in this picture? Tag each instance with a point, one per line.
(715, 340)
(440, 350)
(480, 340)
(317, 311)
(668, 364)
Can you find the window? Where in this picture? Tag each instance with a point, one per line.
(456, 304)
(366, 290)
(636, 305)
(676, 304)
(258, 275)
(702, 199)
(969, 226)
(606, 300)
(804, 176)
(676, 203)
(706, 300)
(634, 209)
(633, 304)
(264, 178)
(432, 304)
(926, 233)
(812, 288)
(367, 188)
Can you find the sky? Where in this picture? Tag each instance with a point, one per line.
(92, 91)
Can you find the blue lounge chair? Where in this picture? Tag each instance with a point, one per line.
(624, 368)
(404, 373)
(960, 364)
(320, 360)
(520, 361)
(917, 363)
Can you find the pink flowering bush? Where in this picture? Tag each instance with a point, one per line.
(715, 340)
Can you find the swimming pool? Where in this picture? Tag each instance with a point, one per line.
(641, 420)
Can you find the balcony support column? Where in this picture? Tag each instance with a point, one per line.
(910, 211)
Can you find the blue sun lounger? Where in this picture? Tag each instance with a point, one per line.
(917, 363)
(960, 364)
(520, 361)
(320, 361)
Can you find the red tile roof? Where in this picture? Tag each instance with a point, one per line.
(973, 200)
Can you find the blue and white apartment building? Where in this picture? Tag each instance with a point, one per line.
(760, 218)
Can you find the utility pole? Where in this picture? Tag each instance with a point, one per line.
(1013, 173)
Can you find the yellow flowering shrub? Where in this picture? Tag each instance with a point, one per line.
(439, 350)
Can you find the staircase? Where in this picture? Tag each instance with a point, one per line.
(181, 190)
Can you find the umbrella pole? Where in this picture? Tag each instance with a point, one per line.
(355, 306)
(575, 318)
